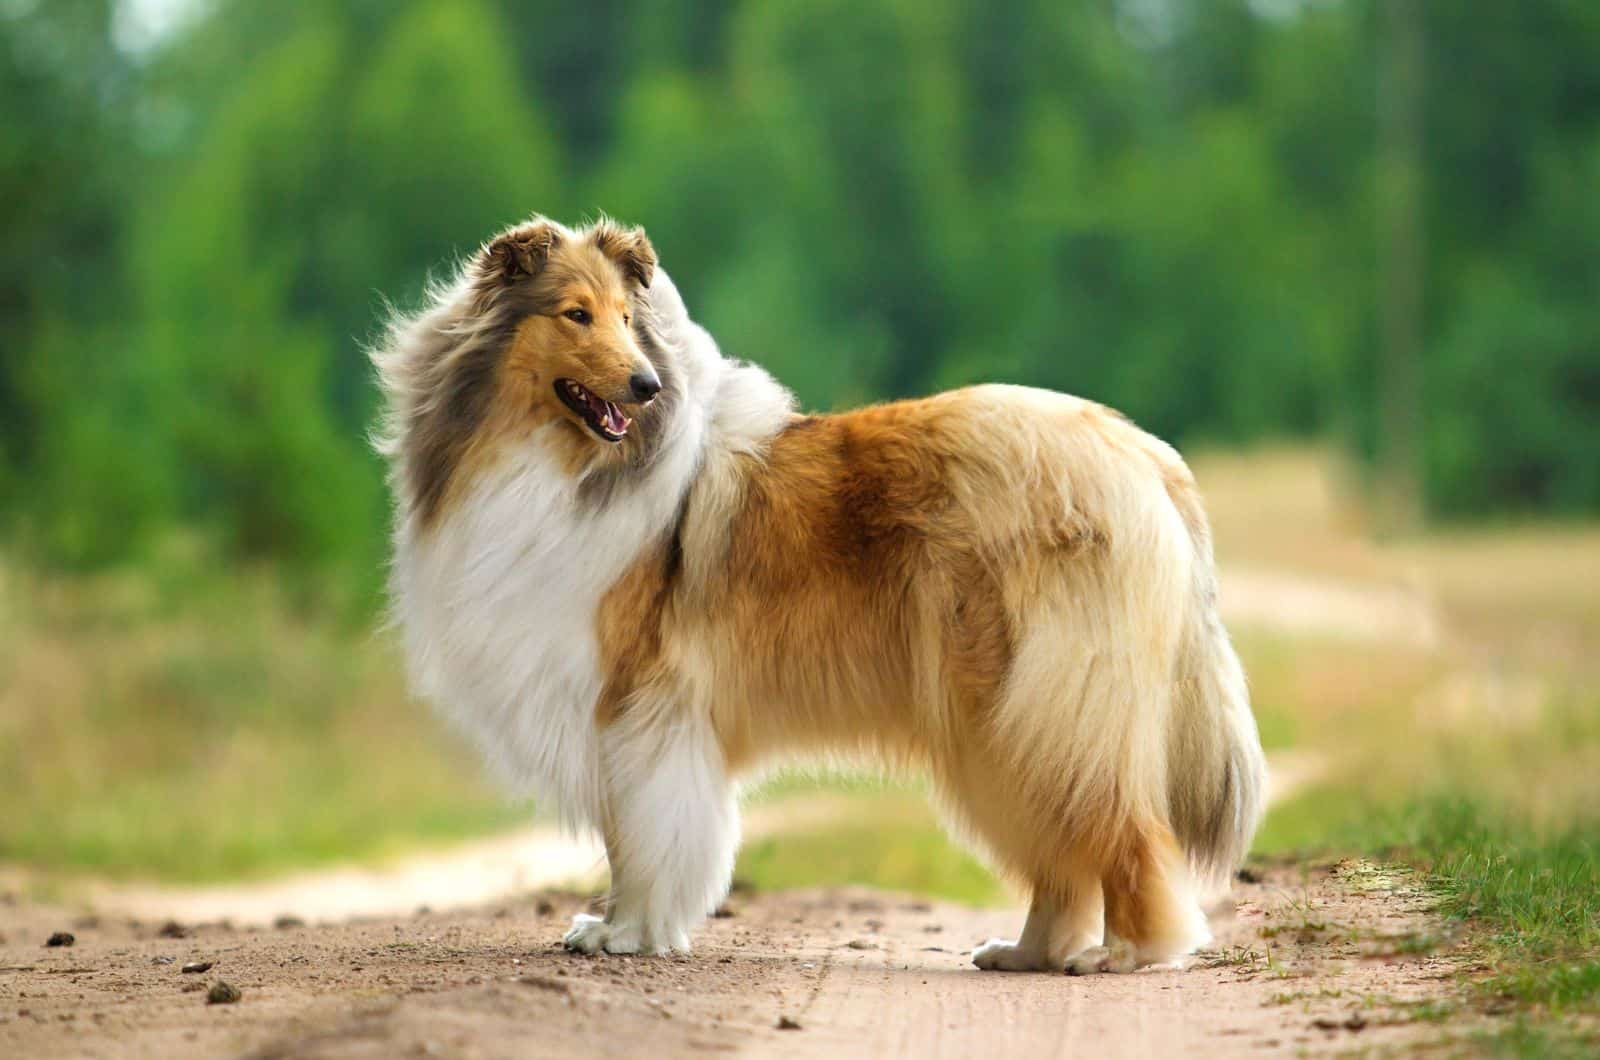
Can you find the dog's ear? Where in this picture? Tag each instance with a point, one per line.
(629, 247)
(520, 253)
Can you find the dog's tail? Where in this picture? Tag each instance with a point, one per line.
(1216, 773)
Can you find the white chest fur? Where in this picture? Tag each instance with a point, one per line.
(498, 603)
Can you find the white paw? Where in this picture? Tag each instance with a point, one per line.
(1003, 955)
(591, 934)
(1118, 958)
(1089, 962)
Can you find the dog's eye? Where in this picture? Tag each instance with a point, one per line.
(577, 316)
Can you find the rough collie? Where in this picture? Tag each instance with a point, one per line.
(633, 573)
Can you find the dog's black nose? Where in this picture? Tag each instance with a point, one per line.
(645, 386)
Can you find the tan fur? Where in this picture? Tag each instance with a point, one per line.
(1008, 589)
(866, 602)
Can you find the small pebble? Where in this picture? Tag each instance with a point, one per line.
(174, 930)
(61, 938)
(861, 944)
(222, 993)
(194, 967)
(283, 923)
(787, 1024)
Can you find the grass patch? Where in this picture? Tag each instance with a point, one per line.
(893, 839)
(1538, 898)
(1536, 1040)
(801, 780)
(190, 725)
(1530, 895)
(894, 843)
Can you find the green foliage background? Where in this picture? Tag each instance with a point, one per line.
(1167, 205)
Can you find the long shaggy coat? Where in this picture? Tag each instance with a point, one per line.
(632, 573)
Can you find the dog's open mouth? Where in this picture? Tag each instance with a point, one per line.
(604, 417)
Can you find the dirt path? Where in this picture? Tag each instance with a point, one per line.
(862, 973)
(462, 876)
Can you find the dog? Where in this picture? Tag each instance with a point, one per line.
(632, 573)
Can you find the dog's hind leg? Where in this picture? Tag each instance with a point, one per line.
(672, 828)
(1152, 913)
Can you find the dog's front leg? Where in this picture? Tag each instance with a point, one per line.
(672, 829)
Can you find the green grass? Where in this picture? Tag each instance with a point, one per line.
(1532, 897)
(1528, 896)
(1529, 1039)
(1535, 901)
(893, 841)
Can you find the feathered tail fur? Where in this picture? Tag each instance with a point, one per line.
(1216, 774)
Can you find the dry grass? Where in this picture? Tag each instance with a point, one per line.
(199, 726)
(1501, 699)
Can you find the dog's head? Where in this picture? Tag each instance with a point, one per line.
(550, 329)
(574, 350)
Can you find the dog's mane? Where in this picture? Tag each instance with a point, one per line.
(436, 368)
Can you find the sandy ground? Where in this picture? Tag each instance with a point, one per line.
(1311, 960)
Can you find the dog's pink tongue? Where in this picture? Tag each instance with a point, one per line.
(615, 419)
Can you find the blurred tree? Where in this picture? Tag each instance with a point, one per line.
(262, 267)
(1173, 206)
(228, 269)
(1401, 254)
(65, 165)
